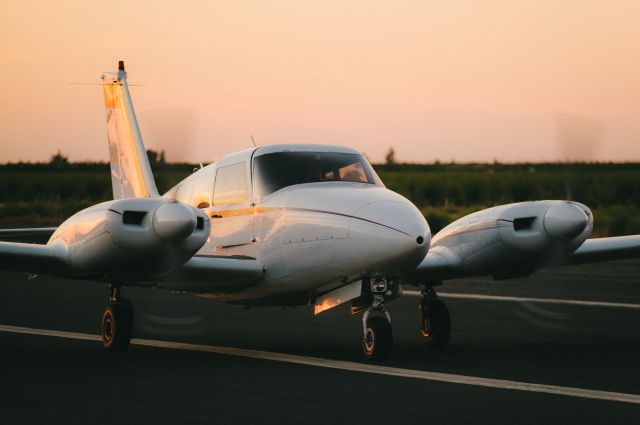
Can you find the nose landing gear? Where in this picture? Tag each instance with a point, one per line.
(435, 321)
(117, 321)
(377, 338)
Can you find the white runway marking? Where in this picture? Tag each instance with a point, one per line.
(530, 299)
(349, 366)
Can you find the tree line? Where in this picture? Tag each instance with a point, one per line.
(47, 193)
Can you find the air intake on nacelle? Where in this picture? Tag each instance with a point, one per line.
(524, 223)
(133, 217)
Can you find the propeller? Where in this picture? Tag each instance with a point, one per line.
(577, 137)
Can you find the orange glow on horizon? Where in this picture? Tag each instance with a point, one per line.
(464, 80)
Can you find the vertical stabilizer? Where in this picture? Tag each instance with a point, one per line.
(131, 175)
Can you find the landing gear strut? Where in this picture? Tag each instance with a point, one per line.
(377, 338)
(117, 321)
(435, 321)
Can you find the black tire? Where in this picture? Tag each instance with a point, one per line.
(435, 323)
(377, 342)
(116, 325)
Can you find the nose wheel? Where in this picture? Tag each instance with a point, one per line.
(117, 322)
(435, 321)
(377, 338)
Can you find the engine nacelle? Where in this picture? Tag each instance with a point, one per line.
(516, 239)
(132, 239)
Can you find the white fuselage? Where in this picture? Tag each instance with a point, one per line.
(312, 237)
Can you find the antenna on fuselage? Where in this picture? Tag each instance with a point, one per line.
(253, 141)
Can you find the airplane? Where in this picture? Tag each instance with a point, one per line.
(286, 225)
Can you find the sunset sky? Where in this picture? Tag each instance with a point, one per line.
(457, 80)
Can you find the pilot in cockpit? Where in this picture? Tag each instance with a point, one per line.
(313, 172)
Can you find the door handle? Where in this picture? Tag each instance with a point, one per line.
(216, 216)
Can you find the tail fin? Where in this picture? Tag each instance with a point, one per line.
(131, 175)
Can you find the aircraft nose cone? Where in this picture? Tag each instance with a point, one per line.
(389, 236)
(402, 217)
(565, 221)
(174, 221)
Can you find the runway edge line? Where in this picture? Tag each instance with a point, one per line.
(481, 297)
(348, 366)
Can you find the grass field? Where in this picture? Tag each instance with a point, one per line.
(46, 194)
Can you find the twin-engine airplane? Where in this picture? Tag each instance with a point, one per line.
(291, 225)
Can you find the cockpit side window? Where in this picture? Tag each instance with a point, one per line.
(184, 193)
(231, 185)
(275, 171)
(203, 190)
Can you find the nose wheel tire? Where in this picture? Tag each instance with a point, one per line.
(377, 340)
(435, 323)
(117, 321)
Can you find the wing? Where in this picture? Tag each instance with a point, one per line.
(33, 258)
(21, 250)
(439, 264)
(515, 240)
(32, 235)
(604, 249)
(442, 263)
(210, 273)
(199, 274)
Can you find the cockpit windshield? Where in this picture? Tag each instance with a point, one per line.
(273, 171)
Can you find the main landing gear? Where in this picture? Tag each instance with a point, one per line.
(117, 321)
(435, 321)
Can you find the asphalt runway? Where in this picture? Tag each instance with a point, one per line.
(511, 359)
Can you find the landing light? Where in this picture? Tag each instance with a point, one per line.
(378, 286)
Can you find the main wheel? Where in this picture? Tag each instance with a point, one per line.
(435, 322)
(377, 340)
(117, 321)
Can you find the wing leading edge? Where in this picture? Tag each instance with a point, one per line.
(605, 249)
(33, 258)
(199, 274)
(34, 235)
(443, 263)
